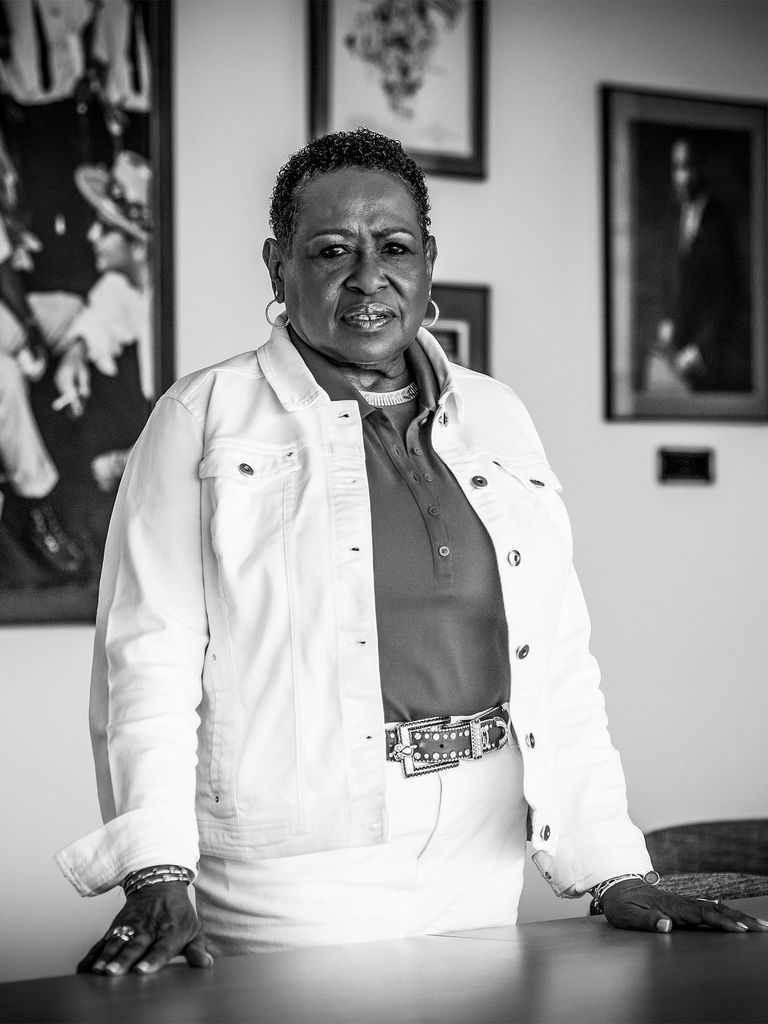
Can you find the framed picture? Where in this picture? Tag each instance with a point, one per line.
(462, 329)
(685, 256)
(413, 70)
(86, 288)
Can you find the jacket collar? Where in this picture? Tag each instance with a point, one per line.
(296, 388)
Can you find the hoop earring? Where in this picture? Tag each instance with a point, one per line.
(436, 317)
(274, 323)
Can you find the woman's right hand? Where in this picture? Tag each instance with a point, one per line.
(158, 923)
(73, 380)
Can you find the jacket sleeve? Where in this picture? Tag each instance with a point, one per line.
(151, 635)
(596, 838)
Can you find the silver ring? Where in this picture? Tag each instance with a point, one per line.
(125, 933)
(703, 899)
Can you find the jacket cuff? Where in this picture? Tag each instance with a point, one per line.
(588, 856)
(138, 839)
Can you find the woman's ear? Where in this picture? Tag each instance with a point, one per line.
(430, 254)
(273, 260)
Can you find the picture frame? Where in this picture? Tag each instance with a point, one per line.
(462, 329)
(684, 244)
(109, 171)
(432, 98)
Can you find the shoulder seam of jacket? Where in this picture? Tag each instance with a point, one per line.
(187, 405)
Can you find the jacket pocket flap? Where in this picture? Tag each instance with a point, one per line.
(239, 462)
(533, 473)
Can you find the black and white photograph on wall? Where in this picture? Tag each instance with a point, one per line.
(462, 327)
(413, 70)
(685, 256)
(85, 311)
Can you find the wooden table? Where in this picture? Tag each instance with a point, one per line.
(576, 970)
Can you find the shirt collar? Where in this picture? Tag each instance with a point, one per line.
(329, 377)
(338, 388)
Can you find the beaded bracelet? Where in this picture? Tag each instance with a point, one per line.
(140, 879)
(598, 891)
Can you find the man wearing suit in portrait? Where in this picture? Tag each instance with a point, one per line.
(704, 331)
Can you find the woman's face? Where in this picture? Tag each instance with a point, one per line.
(112, 249)
(357, 277)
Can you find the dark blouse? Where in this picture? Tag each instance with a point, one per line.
(441, 627)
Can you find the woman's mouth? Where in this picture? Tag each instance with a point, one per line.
(368, 317)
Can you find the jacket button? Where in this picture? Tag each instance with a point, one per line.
(479, 481)
(522, 651)
(530, 740)
(245, 469)
(513, 558)
(545, 833)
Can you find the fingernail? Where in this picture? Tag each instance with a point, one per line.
(761, 921)
(142, 967)
(99, 965)
(112, 968)
(744, 927)
(210, 959)
(664, 926)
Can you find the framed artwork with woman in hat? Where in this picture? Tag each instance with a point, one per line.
(85, 168)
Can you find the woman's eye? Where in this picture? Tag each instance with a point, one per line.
(332, 251)
(395, 249)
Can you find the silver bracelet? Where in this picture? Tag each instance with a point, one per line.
(598, 891)
(140, 879)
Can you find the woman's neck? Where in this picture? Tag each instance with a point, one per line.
(391, 377)
(388, 376)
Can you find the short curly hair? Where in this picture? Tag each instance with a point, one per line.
(360, 148)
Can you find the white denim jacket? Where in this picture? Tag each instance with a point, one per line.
(235, 703)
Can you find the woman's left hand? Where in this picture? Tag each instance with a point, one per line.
(634, 904)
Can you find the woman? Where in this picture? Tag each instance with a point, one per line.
(333, 533)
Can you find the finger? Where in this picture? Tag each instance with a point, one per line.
(644, 919)
(160, 953)
(61, 402)
(196, 954)
(724, 918)
(703, 914)
(118, 957)
(754, 924)
(90, 958)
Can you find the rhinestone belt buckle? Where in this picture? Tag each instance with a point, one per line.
(405, 747)
(486, 732)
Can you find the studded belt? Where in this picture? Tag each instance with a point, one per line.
(433, 744)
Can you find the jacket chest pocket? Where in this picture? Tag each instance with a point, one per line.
(253, 495)
(530, 487)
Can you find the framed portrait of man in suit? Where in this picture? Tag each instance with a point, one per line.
(86, 304)
(684, 218)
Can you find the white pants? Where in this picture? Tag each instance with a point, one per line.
(454, 859)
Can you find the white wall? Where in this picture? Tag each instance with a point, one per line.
(673, 576)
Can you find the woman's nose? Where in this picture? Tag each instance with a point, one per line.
(367, 275)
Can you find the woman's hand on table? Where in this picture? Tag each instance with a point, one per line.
(156, 924)
(635, 904)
